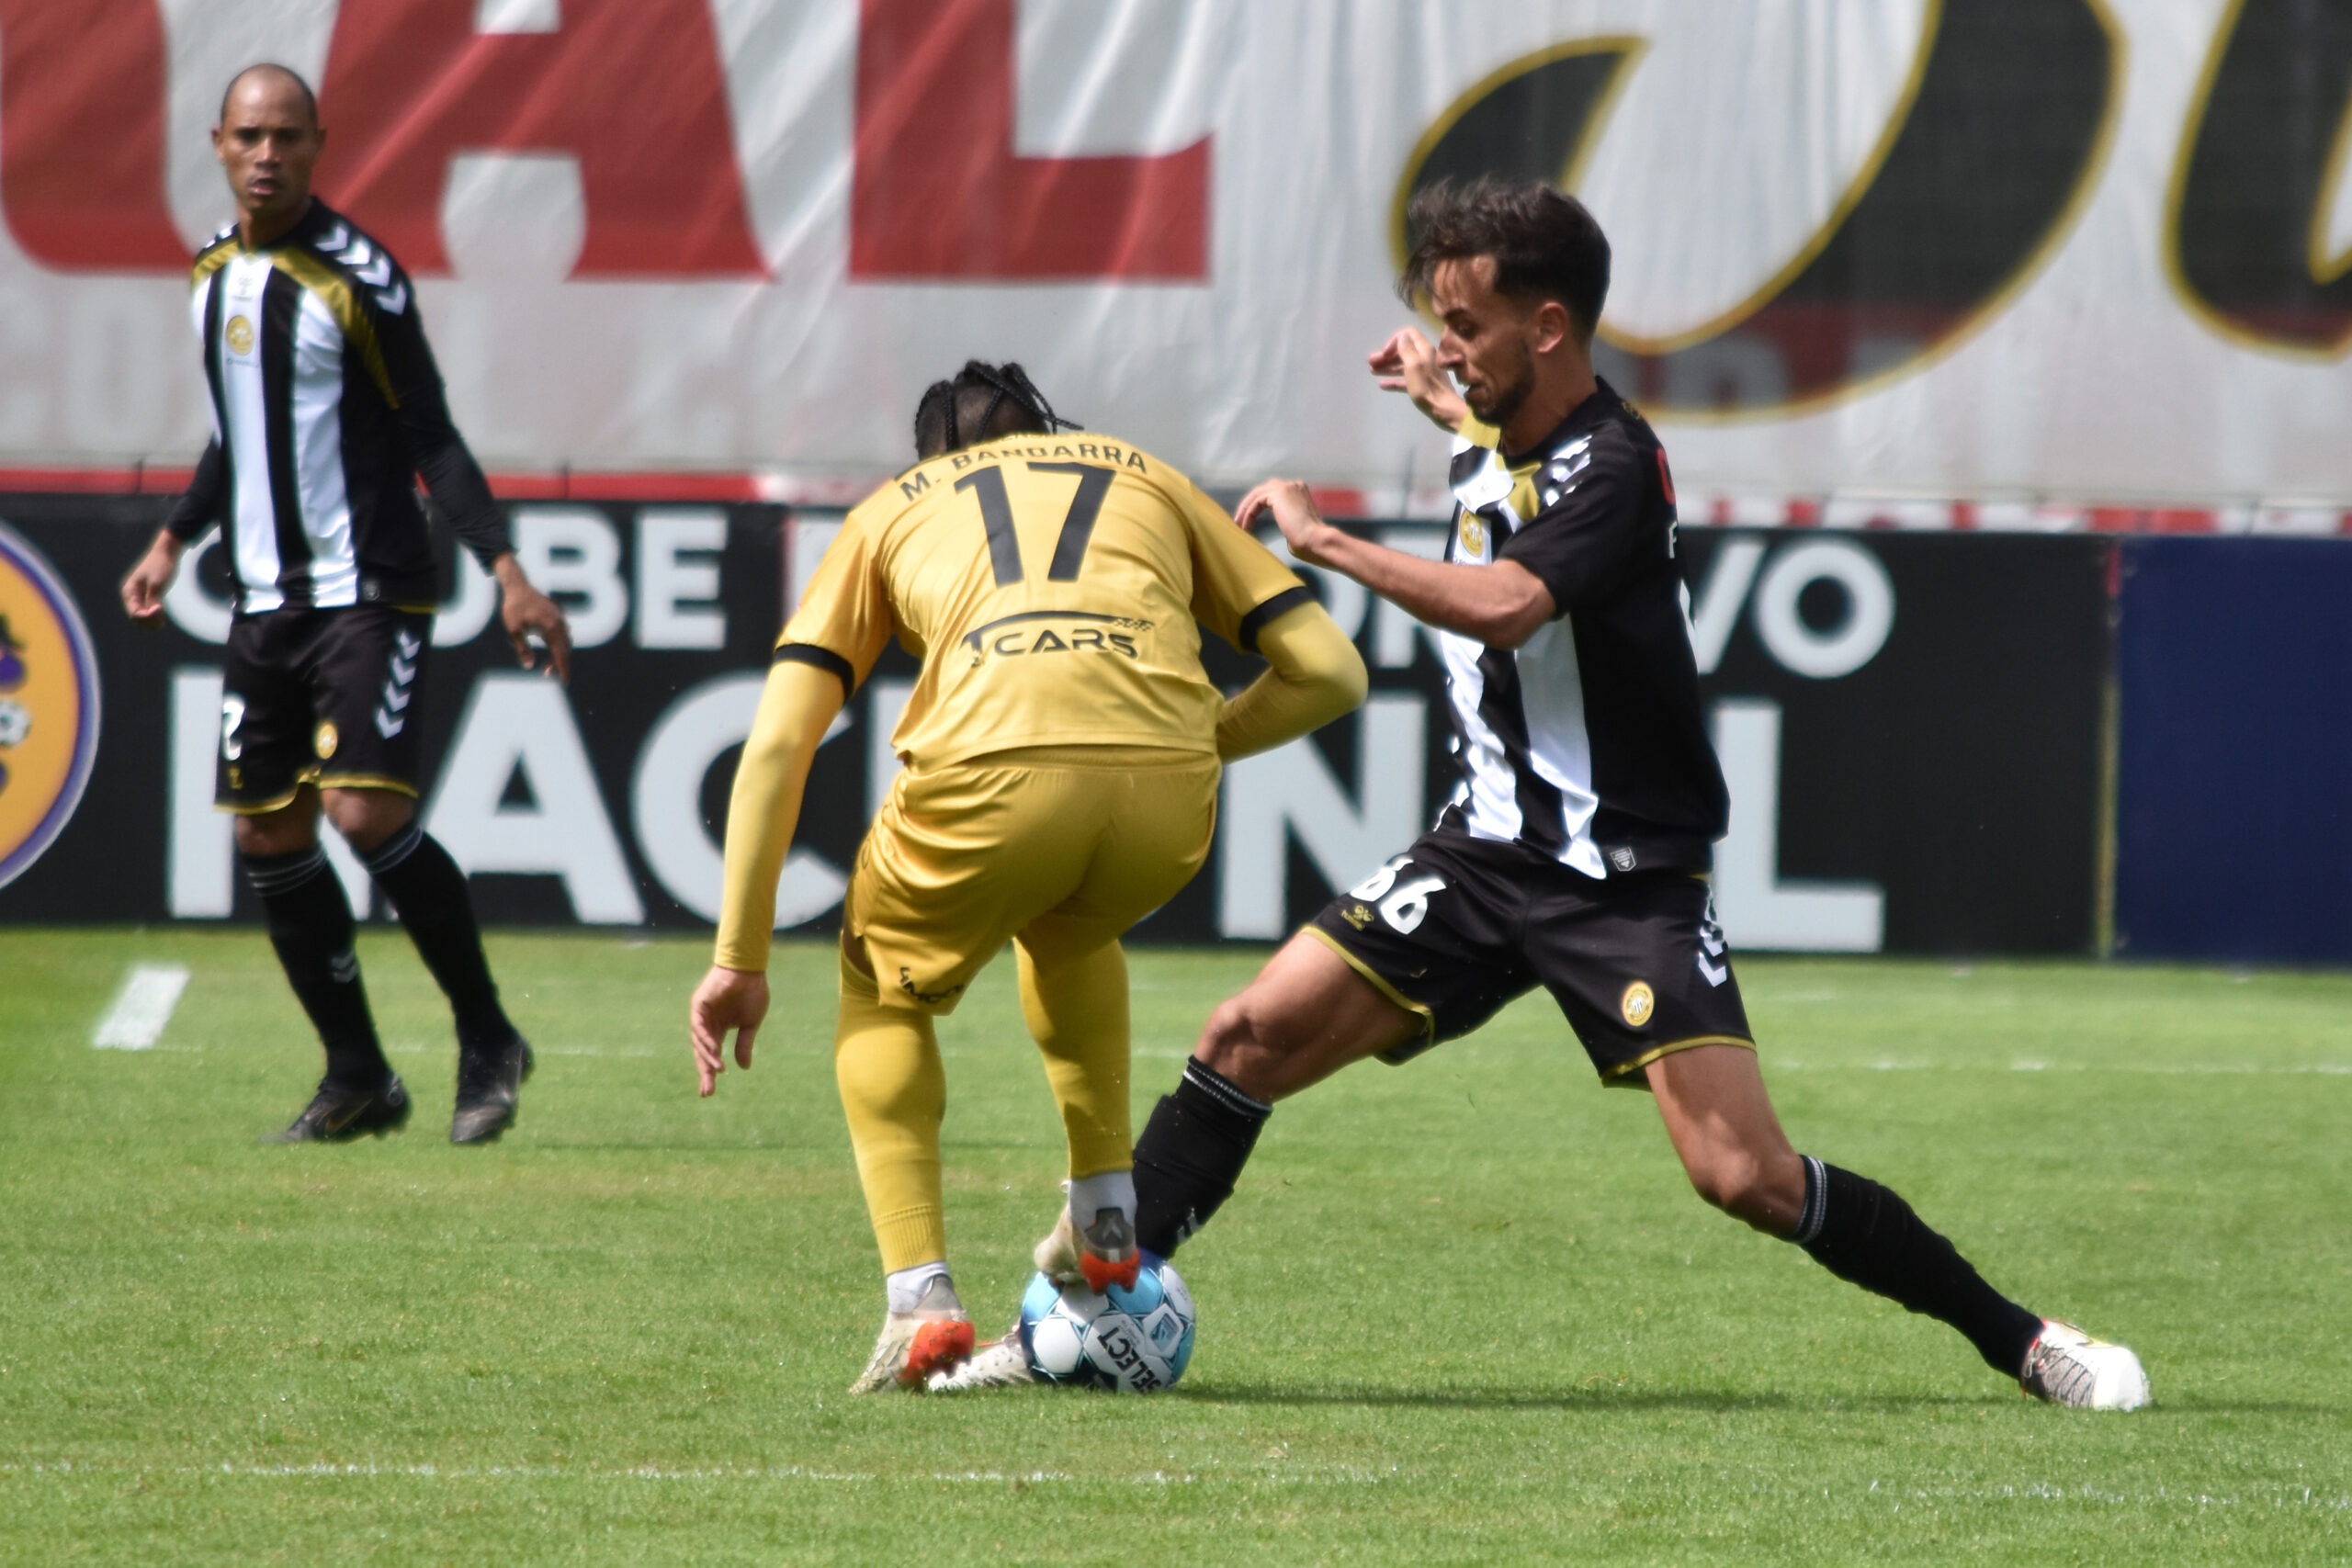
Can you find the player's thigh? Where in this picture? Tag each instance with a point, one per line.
(1307, 1014)
(265, 753)
(1434, 930)
(1152, 829)
(1639, 967)
(958, 860)
(363, 667)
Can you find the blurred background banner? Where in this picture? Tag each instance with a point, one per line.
(1911, 728)
(2022, 254)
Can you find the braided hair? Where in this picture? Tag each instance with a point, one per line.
(981, 403)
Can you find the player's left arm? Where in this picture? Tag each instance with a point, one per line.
(1247, 597)
(1500, 606)
(1313, 675)
(457, 484)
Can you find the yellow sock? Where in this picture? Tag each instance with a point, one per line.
(893, 1091)
(1076, 1002)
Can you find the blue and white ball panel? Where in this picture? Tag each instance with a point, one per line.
(1135, 1339)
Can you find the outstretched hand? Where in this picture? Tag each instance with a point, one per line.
(726, 999)
(1291, 507)
(529, 614)
(1407, 364)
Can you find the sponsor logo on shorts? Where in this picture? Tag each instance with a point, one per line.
(1622, 857)
(1638, 1003)
(929, 998)
(1711, 948)
(1357, 916)
(49, 705)
(399, 678)
(1054, 631)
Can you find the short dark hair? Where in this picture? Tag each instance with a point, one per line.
(983, 402)
(1544, 242)
(271, 66)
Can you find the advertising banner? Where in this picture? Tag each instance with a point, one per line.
(1872, 256)
(1909, 725)
(2234, 817)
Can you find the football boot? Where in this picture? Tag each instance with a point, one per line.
(2066, 1365)
(338, 1115)
(1104, 1255)
(489, 1082)
(1000, 1363)
(933, 1337)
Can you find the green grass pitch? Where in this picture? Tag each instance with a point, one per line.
(1462, 1312)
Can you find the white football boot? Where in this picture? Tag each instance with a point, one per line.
(1000, 1363)
(934, 1337)
(1104, 1256)
(2066, 1365)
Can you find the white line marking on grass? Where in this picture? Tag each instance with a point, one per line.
(141, 1008)
(2189, 1069)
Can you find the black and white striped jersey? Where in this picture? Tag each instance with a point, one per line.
(326, 406)
(1586, 743)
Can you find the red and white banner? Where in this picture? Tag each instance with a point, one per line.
(1915, 262)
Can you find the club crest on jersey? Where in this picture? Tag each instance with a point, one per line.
(239, 335)
(325, 739)
(49, 705)
(1637, 1004)
(1474, 535)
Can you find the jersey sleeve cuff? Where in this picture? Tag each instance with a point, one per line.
(825, 659)
(1265, 614)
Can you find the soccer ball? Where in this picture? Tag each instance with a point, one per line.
(1134, 1340)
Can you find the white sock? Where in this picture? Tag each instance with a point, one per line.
(908, 1287)
(1090, 1195)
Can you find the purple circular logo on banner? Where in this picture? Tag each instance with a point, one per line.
(49, 704)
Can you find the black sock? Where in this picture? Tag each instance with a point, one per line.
(1867, 1235)
(310, 926)
(1190, 1154)
(429, 894)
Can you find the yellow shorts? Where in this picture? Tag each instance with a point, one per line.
(963, 858)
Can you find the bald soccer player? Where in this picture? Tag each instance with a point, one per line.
(327, 408)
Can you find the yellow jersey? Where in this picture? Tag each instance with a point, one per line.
(1053, 587)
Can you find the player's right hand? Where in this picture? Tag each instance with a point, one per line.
(1407, 364)
(727, 998)
(143, 590)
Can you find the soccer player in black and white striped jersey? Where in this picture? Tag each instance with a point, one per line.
(326, 407)
(1574, 854)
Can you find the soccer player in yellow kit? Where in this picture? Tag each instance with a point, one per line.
(1061, 750)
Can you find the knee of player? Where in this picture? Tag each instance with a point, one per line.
(1744, 1187)
(1236, 1040)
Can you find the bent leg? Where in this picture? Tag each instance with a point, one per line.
(894, 1094)
(1074, 996)
(1723, 1125)
(1305, 1016)
(433, 901)
(1713, 1100)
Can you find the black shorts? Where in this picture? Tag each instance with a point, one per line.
(320, 696)
(1456, 926)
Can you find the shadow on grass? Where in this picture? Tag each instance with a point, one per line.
(1610, 1396)
(1596, 1398)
